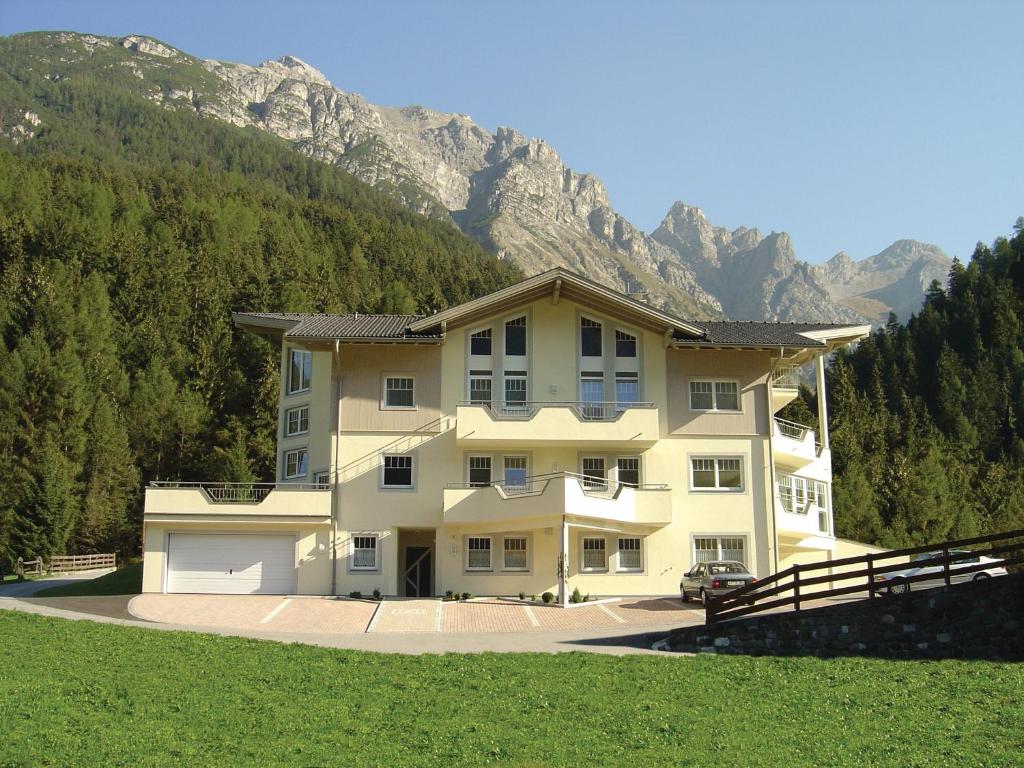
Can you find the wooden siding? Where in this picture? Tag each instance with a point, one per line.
(363, 368)
(750, 369)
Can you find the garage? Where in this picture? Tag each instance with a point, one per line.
(230, 564)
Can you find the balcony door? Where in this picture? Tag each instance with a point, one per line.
(592, 394)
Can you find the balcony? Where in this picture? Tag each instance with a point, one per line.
(612, 425)
(548, 497)
(794, 445)
(802, 525)
(785, 386)
(172, 500)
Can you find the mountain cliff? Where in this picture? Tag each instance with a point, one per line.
(511, 193)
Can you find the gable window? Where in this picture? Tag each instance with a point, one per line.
(714, 396)
(480, 342)
(629, 553)
(515, 554)
(478, 553)
(627, 470)
(296, 463)
(296, 421)
(590, 337)
(515, 390)
(716, 474)
(479, 471)
(399, 392)
(515, 337)
(627, 390)
(480, 388)
(625, 344)
(707, 548)
(364, 553)
(397, 471)
(594, 474)
(300, 370)
(594, 558)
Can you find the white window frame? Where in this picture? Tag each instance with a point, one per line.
(412, 472)
(469, 468)
(718, 537)
(479, 376)
(636, 344)
(375, 568)
(490, 554)
(714, 382)
(639, 469)
(717, 488)
(505, 324)
(584, 568)
(487, 329)
(596, 486)
(288, 421)
(619, 567)
(798, 492)
(291, 389)
(600, 325)
(385, 406)
(322, 478)
(298, 463)
(505, 550)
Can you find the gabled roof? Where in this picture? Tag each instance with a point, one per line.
(558, 282)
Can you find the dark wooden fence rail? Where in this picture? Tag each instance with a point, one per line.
(789, 587)
(64, 564)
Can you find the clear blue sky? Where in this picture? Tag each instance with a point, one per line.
(849, 125)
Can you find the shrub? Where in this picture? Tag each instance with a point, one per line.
(449, 595)
(587, 598)
(357, 595)
(533, 597)
(466, 595)
(522, 595)
(376, 595)
(547, 597)
(576, 597)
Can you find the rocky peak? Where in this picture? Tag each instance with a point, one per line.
(148, 45)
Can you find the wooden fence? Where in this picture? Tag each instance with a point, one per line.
(64, 564)
(791, 586)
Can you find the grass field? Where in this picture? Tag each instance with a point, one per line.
(126, 580)
(92, 694)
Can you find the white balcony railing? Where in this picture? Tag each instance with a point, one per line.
(260, 500)
(786, 377)
(521, 410)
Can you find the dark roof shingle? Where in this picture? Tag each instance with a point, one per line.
(760, 333)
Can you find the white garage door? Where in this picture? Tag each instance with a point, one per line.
(231, 564)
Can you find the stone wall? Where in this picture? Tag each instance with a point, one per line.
(974, 620)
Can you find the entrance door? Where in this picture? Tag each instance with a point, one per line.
(417, 572)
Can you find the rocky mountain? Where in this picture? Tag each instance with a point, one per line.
(510, 192)
(891, 281)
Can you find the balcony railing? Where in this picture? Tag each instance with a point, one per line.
(235, 493)
(786, 377)
(793, 430)
(585, 410)
(591, 485)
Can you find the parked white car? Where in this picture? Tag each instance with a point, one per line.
(895, 582)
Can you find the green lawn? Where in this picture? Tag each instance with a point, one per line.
(126, 580)
(83, 694)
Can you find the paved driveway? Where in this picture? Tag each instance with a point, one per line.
(321, 615)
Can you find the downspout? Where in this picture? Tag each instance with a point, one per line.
(335, 484)
(771, 465)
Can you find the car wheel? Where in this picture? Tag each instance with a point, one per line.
(899, 588)
(704, 598)
(982, 575)
(683, 596)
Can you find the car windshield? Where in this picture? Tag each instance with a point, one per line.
(925, 556)
(715, 568)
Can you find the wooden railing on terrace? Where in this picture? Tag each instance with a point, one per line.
(790, 587)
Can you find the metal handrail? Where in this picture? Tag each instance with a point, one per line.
(787, 377)
(531, 480)
(234, 493)
(586, 410)
(793, 429)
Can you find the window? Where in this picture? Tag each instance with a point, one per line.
(707, 548)
(627, 389)
(515, 390)
(480, 388)
(716, 474)
(297, 421)
(480, 342)
(515, 473)
(479, 471)
(590, 337)
(591, 394)
(627, 470)
(364, 553)
(821, 500)
(714, 396)
(322, 479)
(478, 553)
(397, 471)
(515, 337)
(300, 370)
(398, 392)
(515, 553)
(629, 554)
(593, 554)
(594, 475)
(296, 463)
(625, 344)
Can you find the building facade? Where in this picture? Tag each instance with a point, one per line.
(550, 436)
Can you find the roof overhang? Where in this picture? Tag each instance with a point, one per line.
(558, 284)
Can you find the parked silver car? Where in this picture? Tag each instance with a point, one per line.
(896, 582)
(713, 578)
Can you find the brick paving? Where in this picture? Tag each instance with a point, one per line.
(407, 616)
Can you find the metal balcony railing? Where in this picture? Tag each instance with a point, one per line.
(235, 493)
(525, 410)
(592, 485)
(786, 377)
